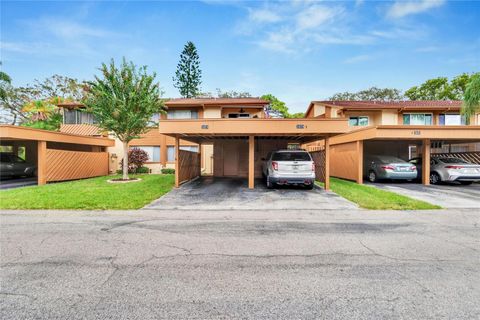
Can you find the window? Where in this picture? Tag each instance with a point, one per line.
(182, 114)
(422, 119)
(239, 115)
(291, 156)
(358, 121)
(152, 151)
(78, 117)
(170, 154)
(189, 148)
(451, 120)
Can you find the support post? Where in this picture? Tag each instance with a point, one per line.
(200, 159)
(177, 162)
(426, 162)
(251, 162)
(360, 162)
(327, 164)
(163, 150)
(41, 162)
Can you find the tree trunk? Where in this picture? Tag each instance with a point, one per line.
(125, 161)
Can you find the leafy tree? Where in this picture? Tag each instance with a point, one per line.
(471, 100)
(5, 80)
(232, 94)
(371, 94)
(43, 114)
(277, 107)
(432, 89)
(296, 115)
(188, 76)
(123, 100)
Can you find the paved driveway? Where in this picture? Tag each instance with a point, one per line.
(16, 183)
(289, 264)
(446, 195)
(208, 193)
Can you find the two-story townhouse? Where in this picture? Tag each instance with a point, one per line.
(402, 128)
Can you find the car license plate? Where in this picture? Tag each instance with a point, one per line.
(402, 169)
(295, 167)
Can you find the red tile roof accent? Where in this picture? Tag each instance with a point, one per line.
(81, 129)
(215, 101)
(442, 104)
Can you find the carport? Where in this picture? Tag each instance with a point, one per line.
(59, 156)
(240, 144)
(348, 150)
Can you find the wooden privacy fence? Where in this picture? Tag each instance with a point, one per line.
(473, 157)
(189, 165)
(64, 165)
(319, 160)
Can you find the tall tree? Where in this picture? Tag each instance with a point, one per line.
(277, 107)
(371, 94)
(188, 76)
(471, 100)
(5, 80)
(123, 100)
(432, 89)
(232, 94)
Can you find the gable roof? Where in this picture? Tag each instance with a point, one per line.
(200, 102)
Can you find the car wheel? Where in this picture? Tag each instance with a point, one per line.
(372, 176)
(466, 183)
(269, 183)
(309, 186)
(435, 178)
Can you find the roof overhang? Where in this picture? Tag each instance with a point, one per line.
(9, 132)
(406, 132)
(303, 129)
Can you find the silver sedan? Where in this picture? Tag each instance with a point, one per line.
(450, 169)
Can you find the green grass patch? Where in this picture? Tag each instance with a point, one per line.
(369, 197)
(94, 193)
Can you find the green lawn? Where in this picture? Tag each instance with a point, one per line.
(372, 198)
(94, 193)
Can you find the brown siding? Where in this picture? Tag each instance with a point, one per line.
(189, 163)
(69, 165)
(346, 160)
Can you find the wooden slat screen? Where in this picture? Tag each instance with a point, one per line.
(344, 160)
(319, 159)
(189, 165)
(64, 165)
(473, 157)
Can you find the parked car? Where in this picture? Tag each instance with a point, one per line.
(381, 167)
(449, 169)
(13, 166)
(289, 167)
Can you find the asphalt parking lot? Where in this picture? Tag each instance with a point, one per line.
(256, 264)
(209, 193)
(17, 182)
(444, 195)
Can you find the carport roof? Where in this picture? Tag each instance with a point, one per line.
(302, 130)
(408, 132)
(9, 132)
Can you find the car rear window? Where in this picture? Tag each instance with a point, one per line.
(291, 156)
(452, 160)
(4, 157)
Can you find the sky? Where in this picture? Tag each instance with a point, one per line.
(296, 50)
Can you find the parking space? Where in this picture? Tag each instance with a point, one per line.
(444, 195)
(209, 193)
(18, 182)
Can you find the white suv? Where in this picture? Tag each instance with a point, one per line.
(289, 167)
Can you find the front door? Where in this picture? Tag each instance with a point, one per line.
(230, 159)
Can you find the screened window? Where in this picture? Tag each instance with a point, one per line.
(451, 120)
(421, 119)
(358, 121)
(152, 151)
(182, 114)
(78, 117)
(170, 153)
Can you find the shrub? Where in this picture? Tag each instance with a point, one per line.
(143, 170)
(168, 171)
(136, 159)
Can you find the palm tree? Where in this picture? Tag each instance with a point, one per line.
(471, 98)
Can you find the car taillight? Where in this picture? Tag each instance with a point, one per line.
(313, 166)
(388, 167)
(413, 168)
(275, 166)
(454, 167)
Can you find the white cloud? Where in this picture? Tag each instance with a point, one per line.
(402, 9)
(263, 16)
(316, 15)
